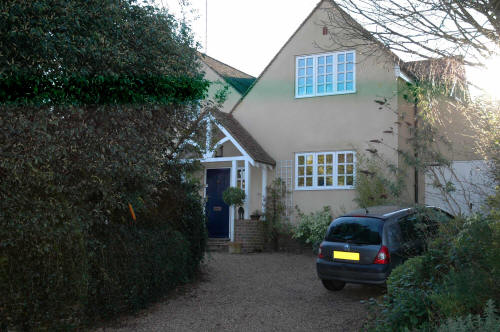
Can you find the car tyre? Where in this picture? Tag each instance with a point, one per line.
(333, 285)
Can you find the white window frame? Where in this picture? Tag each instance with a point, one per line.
(240, 176)
(315, 170)
(315, 74)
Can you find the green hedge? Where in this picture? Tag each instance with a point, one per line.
(70, 278)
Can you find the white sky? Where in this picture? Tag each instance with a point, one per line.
(247, 34)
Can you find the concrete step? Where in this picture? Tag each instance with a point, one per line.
(217, 244)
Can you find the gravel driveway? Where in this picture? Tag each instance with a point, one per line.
(256, 292)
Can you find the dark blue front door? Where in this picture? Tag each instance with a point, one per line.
(217, 210)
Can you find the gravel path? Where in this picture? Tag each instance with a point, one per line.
(256, 292)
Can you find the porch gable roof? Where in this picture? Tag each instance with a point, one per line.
(243, 137)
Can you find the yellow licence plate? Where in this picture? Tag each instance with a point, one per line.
(352, 256)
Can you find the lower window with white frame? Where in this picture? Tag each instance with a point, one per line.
(325, 170)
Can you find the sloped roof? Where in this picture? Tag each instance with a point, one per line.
(437, 69)
(236, 78)
(243, 137)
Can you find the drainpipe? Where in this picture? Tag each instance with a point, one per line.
(415, 113)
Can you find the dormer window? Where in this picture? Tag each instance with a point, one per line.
(325, 74)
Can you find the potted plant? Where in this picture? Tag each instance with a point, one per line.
(234, 247)
(255, 215)
(233, 196)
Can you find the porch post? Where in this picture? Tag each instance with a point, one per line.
(264, 187)
(247, 189)
(234, 167)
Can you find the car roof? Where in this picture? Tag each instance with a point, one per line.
(382, 212)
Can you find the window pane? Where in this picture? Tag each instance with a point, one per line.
(340, 67)
(321, 60)
(321, 70)
(340, 181)
(321, 159)
(309, 182)
(302, 72)
(309, 90)
(321, 89)
(321, 79)
(301, 160)
(340, 86)
(321, 181)
(301, 170)
(309, 81)
(309, 170)
(350, 169)
(329, 59)
(329, 69)
(321, 170)
(329, 88)
(329, 78)
(350, 67)
(309, 62)
(301, 182)
(329, 158)
(302, 81)
(302, 63)
(341, 78)
(309, 71)
(350, 57)
(341, 169)
(349, 86)
(309, 159)
(341, 58)
(329, 180)
(349, 76)
(341, 158)
(300, 91)
(329, 170)
(350, 180)
(349, 157)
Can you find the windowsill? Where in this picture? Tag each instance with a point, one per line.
(326, 95)
(323, 188)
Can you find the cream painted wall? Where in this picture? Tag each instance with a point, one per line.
(284, 125)
(218, 83)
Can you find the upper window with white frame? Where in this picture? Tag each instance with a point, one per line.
(325, 74)
(325, 170)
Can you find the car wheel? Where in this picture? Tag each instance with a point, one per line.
(333, 285)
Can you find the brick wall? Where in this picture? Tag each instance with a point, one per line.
(250, 234)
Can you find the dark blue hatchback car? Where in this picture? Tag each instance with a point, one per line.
(365, 245)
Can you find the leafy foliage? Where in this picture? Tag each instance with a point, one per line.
(311, 228)
(97, 102)
(455, 277)
(233, 196)
(490, 322)
(274, 223)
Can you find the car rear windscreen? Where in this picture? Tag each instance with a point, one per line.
(356, 230)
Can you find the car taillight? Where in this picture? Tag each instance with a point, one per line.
(320, 252)
(383, 256)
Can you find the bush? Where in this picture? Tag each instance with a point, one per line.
(311, 228)
(455, 277)
(489, 323)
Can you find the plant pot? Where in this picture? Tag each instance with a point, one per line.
(234, 247)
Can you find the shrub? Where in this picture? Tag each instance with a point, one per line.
(311, 228)
(275, 223)
(455, 277)
(490, 322)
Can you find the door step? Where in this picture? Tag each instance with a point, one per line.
(217, 244)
